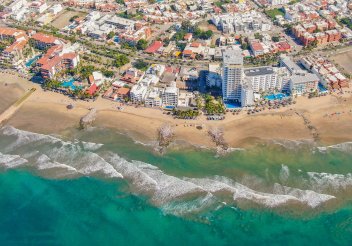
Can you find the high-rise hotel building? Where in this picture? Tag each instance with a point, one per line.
(232, 75)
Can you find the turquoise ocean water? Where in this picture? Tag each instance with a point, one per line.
(100, 188)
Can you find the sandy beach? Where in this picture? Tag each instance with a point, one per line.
(46, 112)
(9, 94)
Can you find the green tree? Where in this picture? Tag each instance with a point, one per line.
(275, 39)
(120, 60)
(142, 44)
(73, 18)
(111, 35)
(258, 36)
(141, 65)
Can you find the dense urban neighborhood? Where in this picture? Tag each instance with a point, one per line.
(185, 57)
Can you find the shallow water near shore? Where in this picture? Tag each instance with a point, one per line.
(101, 187)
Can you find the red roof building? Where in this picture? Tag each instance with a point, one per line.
(92, 89)
(283, 47)
(154, 47)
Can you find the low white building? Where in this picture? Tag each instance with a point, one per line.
(138, 93)
(149, 79)
(16, 6)
(304, 82)
(38, 7)
(185, 98)
(278, 2)
(55, 9)
(153, 98)
(213, 78)
(170, 95)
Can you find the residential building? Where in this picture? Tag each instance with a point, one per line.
(303, 82)
(213, 78)
(300, 81)
(247, 95)
(241, 22)
(38, 7)
(278, 2)
(121, 23)
(263, 79)
(232, 76)
(14, 51)
(153, 98)
(138, 93)
(43, 41)
(256, 48)
(329, 75)
(170, 95)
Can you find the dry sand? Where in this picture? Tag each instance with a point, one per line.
(9, 94)
(46, 112)
(344, 60)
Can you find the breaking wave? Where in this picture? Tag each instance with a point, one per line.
(53, 157)
(343, 147)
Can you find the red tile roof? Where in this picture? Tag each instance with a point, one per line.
(123, 91)
(92, 89)
(256, 46)
(187, 52)
(41, 37)
(154, 47)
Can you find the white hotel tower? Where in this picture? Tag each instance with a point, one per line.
(232, 76)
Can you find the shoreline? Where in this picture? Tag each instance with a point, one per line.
(46, 112)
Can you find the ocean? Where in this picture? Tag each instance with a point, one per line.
(99, 187)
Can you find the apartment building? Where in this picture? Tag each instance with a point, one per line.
(153, 98)
(300, 81)
(170, 95)
(241, 22)
(232, 75)
(263, 79)
(247, 95)
(138, 93)
(43, 41)
(56, 59)
(14, 51)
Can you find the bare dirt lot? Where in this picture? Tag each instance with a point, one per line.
(64, 18)
(344, 60)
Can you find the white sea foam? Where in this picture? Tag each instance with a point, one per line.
(88, 146)
(11, 161)
(44, 163)
(280, 196)
(309, 197)
(284, 173)
(170, 192)
(292, 144)
(25, 137)
(329, 181)
(343, 147)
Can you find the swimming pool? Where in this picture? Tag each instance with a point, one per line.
(169, 107)
(69, 83)
(322, 89)
(232, 105)
(31, 61)
(278, 96)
